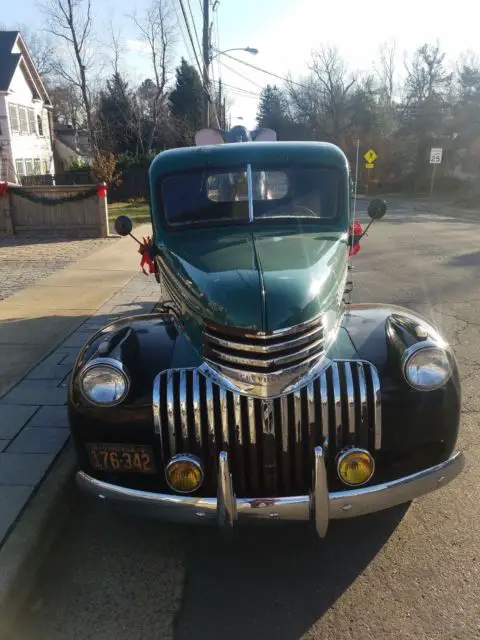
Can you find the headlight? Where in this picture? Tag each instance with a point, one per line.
(427, 368)
(104, 382)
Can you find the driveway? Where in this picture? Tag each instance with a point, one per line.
(403, 574)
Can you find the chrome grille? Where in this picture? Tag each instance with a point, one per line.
(270, 442)
(257, 352)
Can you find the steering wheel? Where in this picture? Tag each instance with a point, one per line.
(299, 207)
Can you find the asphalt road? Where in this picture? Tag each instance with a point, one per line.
(406, 573)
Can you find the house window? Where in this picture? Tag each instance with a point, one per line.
(22, 116)
(37, 166)
(46, 167)
(29, 167)
(19, 168)
(31, 122)
(3, 168)
(40, 125)
(14, 122)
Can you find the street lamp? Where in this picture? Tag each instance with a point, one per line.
(251, 50)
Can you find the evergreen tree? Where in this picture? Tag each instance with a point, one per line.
(186, 102)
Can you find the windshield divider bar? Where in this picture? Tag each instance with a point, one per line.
(250, 192)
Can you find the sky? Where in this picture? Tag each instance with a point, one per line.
(286, 32)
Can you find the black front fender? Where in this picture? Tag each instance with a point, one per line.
(414, 423)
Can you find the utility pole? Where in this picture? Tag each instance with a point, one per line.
(206, 63)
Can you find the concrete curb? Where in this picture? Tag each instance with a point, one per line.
(24, 550)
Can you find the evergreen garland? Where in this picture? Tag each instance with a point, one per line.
(23, 193)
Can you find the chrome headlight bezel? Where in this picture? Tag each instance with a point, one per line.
(109, 363)
(422, 348)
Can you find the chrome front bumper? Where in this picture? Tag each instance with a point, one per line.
(320, 507)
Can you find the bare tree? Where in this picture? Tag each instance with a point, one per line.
(385, 72)
(116, 47)
(71, 21)
(334, 84)
(156, 28)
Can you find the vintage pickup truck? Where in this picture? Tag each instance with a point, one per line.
(257, 390)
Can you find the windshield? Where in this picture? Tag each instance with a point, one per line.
(242, 195)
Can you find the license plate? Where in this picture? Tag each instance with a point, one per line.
(121, 457)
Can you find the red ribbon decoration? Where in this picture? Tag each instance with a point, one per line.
(3, 188)
(355, 230)
(146, 260)
(102, 190)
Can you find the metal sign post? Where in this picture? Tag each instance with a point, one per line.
(435, 159)
(370, 158)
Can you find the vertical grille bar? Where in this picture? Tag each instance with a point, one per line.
(197, 424)
(350, 399)
(362, 432)
(337, 403)
(297, 437)
(237, 446)
(284, 443)
(171, 413)
(223, 417)
(252, 446)
(324, 401)
(377, 425)
(182, 401)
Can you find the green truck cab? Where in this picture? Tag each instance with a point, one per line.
(257, 390)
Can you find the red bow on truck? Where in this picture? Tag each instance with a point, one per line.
(355, 230)
(146, 260)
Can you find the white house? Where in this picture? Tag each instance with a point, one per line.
(26, 133)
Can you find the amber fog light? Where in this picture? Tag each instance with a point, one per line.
(355, 467)
(184, 473)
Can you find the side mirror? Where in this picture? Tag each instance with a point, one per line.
(377, 209)
(123, 225)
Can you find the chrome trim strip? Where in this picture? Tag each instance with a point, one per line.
(262, 335)
(226, 510)
(262, 348)
(341, 504)
(273, 361)
(320, 499)
(310, 408)
(378, 408)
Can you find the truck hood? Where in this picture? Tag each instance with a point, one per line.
(257, 280)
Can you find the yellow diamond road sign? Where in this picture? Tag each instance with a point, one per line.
(370, 156)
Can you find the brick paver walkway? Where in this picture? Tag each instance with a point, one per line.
(25, 260)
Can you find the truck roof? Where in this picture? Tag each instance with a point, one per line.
(241, 153)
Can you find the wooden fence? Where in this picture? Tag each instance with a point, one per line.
(86, 217)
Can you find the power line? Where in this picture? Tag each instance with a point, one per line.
(194, 26)
(239, 90)
(187, 24)
(182, 33)
(259, 86)
(269, 73)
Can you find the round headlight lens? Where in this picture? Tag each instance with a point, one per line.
(428, 368)
(104, 384)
